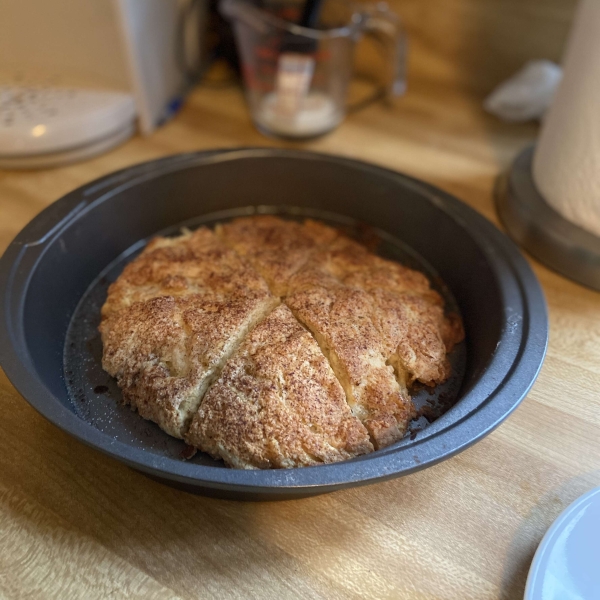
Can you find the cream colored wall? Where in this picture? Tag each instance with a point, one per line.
(484, 41)
(475, 43)
(76, 39)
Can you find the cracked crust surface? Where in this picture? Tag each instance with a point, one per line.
(172, 319)
(191, 332)
(342, 320)
(382, 327)
(408, 314)
(277, 403)
(274, 247)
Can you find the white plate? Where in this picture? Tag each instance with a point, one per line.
(566, 565)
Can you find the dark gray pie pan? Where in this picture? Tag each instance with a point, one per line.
(59, 265)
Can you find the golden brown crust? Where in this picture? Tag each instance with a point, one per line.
(409, 314)
(372, 316)
(192, 264)
(274, 247)
(190, 307)
(171, 320)
(278, 404)
(342, 320)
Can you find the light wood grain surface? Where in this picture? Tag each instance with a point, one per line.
(75, 524)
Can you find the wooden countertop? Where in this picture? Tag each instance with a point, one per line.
(76, 524)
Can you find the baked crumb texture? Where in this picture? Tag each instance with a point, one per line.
(274, 344)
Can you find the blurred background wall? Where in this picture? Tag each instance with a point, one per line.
(478, 43)
(471, 43)
(43, 38)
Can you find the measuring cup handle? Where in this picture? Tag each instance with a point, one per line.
(384, 25)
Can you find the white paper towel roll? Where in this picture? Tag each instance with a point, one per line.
(566, 165)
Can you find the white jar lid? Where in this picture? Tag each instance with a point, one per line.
(43, 120)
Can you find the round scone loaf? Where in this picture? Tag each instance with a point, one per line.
(274, 344)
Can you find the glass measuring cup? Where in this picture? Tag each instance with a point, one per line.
(296, 78)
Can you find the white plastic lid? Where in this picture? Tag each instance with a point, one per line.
(40, 120)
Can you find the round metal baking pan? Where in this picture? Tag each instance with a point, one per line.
(59, 265)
